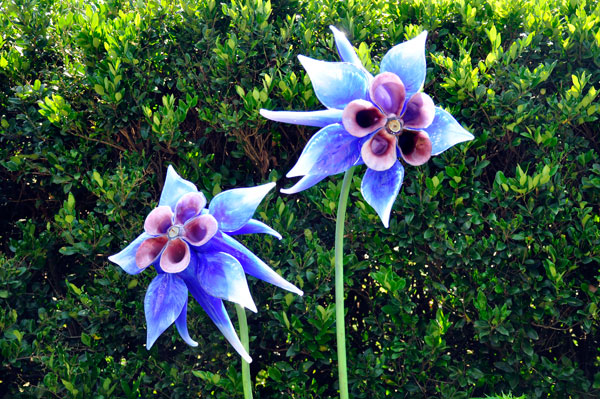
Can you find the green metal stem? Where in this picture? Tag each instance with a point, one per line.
(246, 382)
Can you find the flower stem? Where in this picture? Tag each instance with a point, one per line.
(246, 382)
(339, 284)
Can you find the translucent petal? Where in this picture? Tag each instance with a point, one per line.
(419, 112)
(234, 208)
(149, 251)
(303, 184)
(388, 92)
(320, 118)
(445, 131)
(216, 311)
(251, 263)
(175, 187)
(201, 229)
(222, 276)
(407, 60)
(379, 152)
(126, 258)
(330, 151)
(361, 118)
(254, 226)
(181, 324)
(175, 257)
(165, 299)
(415, 147)
(158, 220)
(344, 47)
(336, 83)
(380, 189)
(188, 206)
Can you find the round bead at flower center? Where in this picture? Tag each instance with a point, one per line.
(174, 231)
(394, 126)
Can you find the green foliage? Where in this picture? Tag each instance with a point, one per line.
(486, 281)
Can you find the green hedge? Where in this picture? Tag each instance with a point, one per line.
(485, 282)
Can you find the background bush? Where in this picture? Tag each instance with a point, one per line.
(485, 282)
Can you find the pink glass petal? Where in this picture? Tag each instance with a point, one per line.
(419, 112)
(387, 91)
(415, 147)
(175, 257)
(189, 206)
(379, 152)
(361, 117)
(149, 250)
(159, 220)
(201, 229)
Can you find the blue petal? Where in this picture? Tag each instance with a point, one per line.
(344, 47)
(222, 276)
(407, 60)
(336, 83)
(126, 258)
(445, 131)
(175, 187)
(330, 151)
(320, 118)
(380, 189)
(251, 263)
(303, 184)
(234, 208)
(165, 299)
(254, 226)
(216, 311)
(181, 324)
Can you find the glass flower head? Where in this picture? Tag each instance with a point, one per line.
(192, 249)
(371, 120)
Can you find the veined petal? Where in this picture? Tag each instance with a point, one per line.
(336, 83)
(222, 276)
(234, 208)
(251, 263)
(304, 183)
(379, 152)
(330, 151)
(380, 189)
(254, 226)
(419, 112)
(344, 47)
(415, 147)
(216, 311)
(175, 187)
(407, 60)
(201, 229)
(188, 206)
(388, 92)
(149, 251)
(445, 132)
(320, 118)
(159, 220)
(181, 324)
(361, 118)
(126, 258)
(165, 299)
(175, 257)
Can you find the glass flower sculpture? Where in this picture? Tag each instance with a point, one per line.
(371, 120)
(193, 251)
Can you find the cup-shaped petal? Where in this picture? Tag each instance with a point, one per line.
(149, 250)
(380, 189)
(175, 257)
(388, 92)
(407, 60)
(379, 152)
(189, 206)
(361, 117)
(126, 258)
(159, 220)
(234, 208)
(415, 147)
(419, 112)
(175, 187)
(201, 229)
(445, 132)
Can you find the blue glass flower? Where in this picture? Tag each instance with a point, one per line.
(193, 251)
(371, 120)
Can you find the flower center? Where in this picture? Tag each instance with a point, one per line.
(394, 125)
(174, 231)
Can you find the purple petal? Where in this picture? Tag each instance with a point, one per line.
(216, 311)
(380, 190)
(336, 83)
(165, 299)
(158, 220)
(303, 184)
(379, 152)
(361, 118)
(175, 257)
(181, 324)
(234, 208)
(388, 92)
(189, 206)
(149, 251)
(415, 147)
(201, 229)
(251, 263)
(330, 151)
(419, 112)
(320, 118)
(175, 187)
(445, 131)
(407, 60)
(254, 226)
(344, 47)
(126, 258)
(222, 276)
